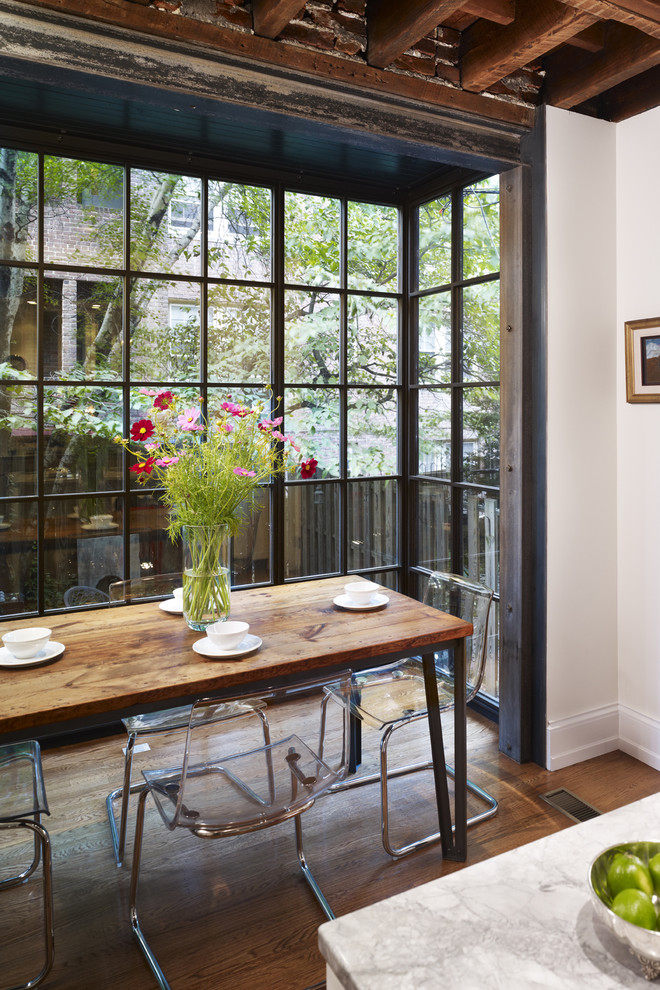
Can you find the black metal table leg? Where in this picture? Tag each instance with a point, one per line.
(453, 842)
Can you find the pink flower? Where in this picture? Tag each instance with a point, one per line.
(277, 435)
(166, 461)
(188, 420)
(148, 391)
(226, 427)
(163, 400)
(294, 445)
(154, 445)
(244, 473)
(308, 468)
(270, 424)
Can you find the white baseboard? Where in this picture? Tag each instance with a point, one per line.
(639, 736)
(581, 737)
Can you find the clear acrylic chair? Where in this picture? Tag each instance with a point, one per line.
(388, 698)
(136, 590)
(243, 772)
(22, 803)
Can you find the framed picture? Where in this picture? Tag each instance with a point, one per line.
(643, 360)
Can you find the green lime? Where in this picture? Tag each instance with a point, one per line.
(635, 906)
(628, 871)
(654, 870)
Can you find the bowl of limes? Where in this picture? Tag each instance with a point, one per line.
(625, 888)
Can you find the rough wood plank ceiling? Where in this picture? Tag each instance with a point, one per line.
(598, 57)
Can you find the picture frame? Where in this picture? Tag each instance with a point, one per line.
(643, 360)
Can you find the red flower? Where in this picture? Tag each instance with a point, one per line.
(142, 430)
(144, 467)
(163, 400)
(308, 468)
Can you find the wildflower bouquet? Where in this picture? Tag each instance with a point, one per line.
(210, 471)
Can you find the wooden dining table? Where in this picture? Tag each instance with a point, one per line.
(127, 659)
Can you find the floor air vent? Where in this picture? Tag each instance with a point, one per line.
(570, 804)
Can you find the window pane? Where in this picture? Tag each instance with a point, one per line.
(85, 555)
(83, 326)
(80, 424)
(18, 558)
(433, 515)
(251, 546)
(18, 440)
(481, 436)
(434, 251)
(434, 433)
(372, 432)
(83, 212)
(372, 248)
(481, 538)
(311, 416)
(239, 231)
(434, 339)
(239, 334)
(311, 345)
(372, 524)
(490, 686)
(311, 239)
(152, 552)
(165, 330)
(18, 193)
(372, 340)
(481, 227)
(311, 530)
(481, 332)
(18, 322)
(166, 219)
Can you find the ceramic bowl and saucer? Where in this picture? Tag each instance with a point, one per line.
(206, 648)
(52, 651)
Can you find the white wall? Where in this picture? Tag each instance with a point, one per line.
(583, 388)
(638, 429)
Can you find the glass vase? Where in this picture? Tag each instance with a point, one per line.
(206, 575)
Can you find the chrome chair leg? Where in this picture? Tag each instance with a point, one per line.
(309, 876)
(42, 841)
(135, 874)
(123, 792)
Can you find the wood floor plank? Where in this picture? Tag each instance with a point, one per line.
(235, 914)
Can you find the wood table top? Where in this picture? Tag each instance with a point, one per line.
(119, 660)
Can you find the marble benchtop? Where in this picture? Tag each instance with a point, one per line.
(519, 921)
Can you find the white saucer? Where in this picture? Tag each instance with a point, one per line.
(172, 606)
(5, 525)
(377, 601)
(99, 529)
(208, 649)
(49, 652)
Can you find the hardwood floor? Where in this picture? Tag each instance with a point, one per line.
(235, 914)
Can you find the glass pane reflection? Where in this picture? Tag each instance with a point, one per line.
(18, 322)
(80, 424)
(311, 530)
(433, 515)
(18, 557)
(481, 538)
(372, 524)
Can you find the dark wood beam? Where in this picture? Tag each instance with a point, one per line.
(573, 78)
(494, 52)
(591, 39)
(499, 11)
(270, 17)
(633, 96)
(642, 14)
(393, 27)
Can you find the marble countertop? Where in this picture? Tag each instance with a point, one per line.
(519, 921)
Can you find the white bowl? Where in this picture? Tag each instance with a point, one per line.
(26, 643)
(227, 635)
(178, 594)
(361, 592)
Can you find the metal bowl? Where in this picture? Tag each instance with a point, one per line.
(642, 942)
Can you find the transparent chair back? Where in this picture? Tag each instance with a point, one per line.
(144, 588)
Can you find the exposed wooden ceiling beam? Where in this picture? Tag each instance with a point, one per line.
(572, 79)
(642, 14)
(393, 27)
(270, 17)
(633, 96)
(495, 52)
(591, 39)
(499, 11)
